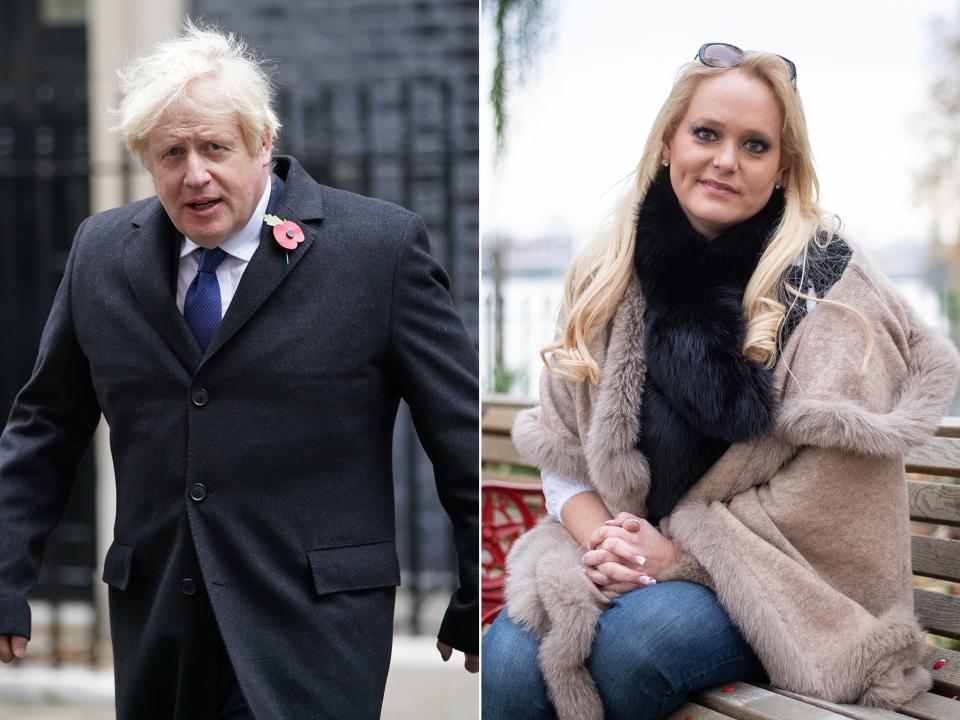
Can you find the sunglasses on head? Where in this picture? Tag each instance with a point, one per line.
(724, 55)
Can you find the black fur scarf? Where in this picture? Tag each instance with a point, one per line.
(701, 394)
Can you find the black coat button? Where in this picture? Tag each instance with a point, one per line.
(188, 586)
(198, 492)
(200, 397)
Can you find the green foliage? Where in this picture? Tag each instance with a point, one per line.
(946, 643)
(518, 26)
(504, 380)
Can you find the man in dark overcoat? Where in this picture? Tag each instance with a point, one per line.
(247, 334)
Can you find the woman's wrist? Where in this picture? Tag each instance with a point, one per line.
(675, 552)
(582, 514)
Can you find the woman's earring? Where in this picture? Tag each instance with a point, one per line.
(666, 163)
(777, 185)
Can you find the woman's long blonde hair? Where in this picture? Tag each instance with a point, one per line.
(597, 279)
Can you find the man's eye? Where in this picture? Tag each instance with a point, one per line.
(172, 152)
(215, 146)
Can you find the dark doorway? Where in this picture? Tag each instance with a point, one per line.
(44, 195)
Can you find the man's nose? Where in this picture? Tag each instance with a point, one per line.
(196, 175)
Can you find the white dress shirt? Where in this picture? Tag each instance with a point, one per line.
(239, 248)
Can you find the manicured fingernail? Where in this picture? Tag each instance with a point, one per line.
(646, 580)
(641, 560)
(610, 522)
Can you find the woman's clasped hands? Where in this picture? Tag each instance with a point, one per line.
(627, 552)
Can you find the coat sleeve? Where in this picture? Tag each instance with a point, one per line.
(435, 364)
(49, 429)
(547, 436)
(880, 390)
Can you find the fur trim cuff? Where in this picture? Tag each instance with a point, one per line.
(545, 448)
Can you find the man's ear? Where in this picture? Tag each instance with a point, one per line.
(266, 148)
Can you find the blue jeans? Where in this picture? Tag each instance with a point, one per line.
(653, 646)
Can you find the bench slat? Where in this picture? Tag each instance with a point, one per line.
(934, 502)
(938, 456)
(498, 420)
(949, 427)
(939, 613)
(928, 706)
(527, 482)
(946, 680)
(924, 705)
(749, 702)
(498, 449)
(695, 712)
(936, 557)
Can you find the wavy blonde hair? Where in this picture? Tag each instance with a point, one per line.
(597, 279)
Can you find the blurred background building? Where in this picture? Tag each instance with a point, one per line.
(378, 97)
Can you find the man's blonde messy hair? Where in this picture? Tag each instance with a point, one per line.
(203, 70)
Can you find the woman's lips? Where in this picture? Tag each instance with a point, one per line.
(717, 189)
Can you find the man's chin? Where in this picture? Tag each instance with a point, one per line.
(208, 243)
(205, 237)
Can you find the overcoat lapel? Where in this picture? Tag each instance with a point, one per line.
(151, 253)
(271, 264)
(149, 257)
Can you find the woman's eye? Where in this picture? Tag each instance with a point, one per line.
(704, 133)
(756, 146)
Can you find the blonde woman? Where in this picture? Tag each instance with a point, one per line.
(720, 434)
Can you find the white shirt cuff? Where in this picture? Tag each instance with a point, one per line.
(558, 489)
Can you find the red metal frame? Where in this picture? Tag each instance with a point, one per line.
(508, 510)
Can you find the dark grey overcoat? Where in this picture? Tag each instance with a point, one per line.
(260, 470)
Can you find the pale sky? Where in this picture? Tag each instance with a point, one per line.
(579, 123)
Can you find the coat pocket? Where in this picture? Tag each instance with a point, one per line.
(354, 567)
(117, 565)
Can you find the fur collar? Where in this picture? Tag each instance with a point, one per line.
(674, 262)
(700, 394)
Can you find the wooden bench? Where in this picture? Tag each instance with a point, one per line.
(512, 501)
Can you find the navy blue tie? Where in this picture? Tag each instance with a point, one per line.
(201, 306)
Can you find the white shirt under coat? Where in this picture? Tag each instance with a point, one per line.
(239, 248)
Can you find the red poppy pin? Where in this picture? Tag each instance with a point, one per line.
(286, 232)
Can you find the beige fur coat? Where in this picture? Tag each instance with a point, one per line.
(803, 533)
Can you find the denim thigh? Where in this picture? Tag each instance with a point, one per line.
(512, 687)
(656, 644)
(653, 646)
